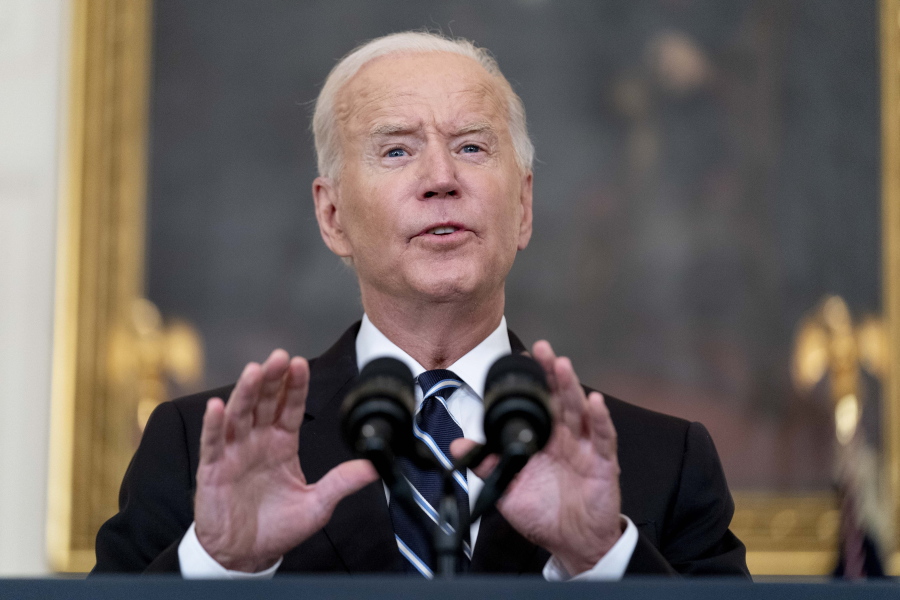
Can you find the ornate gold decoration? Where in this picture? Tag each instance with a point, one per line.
(794, 535)
(828, 343)
(99, 272)
(787, 534)
(144, 352)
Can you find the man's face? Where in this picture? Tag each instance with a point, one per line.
(430, 203)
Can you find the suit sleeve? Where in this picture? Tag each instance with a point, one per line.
(155, 502)
(695, 539)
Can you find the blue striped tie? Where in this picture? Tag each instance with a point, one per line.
(436, 428)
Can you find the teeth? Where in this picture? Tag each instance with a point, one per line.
(442, 230)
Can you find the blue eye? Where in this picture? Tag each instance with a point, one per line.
(471, 149)
(396, 153)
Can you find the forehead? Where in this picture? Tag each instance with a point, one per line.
(439, 88)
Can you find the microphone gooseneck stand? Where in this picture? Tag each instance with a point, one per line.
(377, 425)
(448, 538)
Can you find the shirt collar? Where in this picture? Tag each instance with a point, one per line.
(472, 368)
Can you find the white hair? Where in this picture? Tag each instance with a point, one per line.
(325, 128)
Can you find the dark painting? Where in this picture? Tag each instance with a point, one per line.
(706, 171)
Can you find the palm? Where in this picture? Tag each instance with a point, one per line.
(253, 503)
(258, 483)
(567, 498)
(562, 491)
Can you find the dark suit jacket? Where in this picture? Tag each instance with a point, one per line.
(673, 488)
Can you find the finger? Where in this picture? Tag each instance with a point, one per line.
(544, 355)
(570, 394)
(212, 435)
(603, 432)
(239, 410)
(566, 396)
(290, 415)
(343, 480)
(486, 467)
(273, 378)
(462, 446)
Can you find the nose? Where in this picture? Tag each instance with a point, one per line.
(438, 178)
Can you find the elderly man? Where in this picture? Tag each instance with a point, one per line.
(425, 188)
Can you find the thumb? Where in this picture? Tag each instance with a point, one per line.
(462, 446)
(343, 480)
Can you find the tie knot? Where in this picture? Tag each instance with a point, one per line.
(439, 381)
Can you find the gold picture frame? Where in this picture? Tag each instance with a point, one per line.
(100, 260)
(890, 218)
(100, 277)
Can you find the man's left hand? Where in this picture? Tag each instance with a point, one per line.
(566, 499)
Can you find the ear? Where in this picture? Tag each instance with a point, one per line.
(326, 198)
(525, 199)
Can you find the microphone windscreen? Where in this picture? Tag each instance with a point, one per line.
(382, 394)
(518, 365)
(516, 391)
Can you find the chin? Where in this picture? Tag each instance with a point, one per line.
(444, 284)
(446, 291)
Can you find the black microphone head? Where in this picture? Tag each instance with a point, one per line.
(516, 391)
(519, 365)
(382, 398)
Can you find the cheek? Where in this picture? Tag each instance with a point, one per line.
(373, 211)
(507, 212)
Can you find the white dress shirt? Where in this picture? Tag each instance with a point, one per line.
(465, 404)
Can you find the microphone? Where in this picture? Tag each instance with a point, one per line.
(517, 422)
(517, 416)
(377, 414)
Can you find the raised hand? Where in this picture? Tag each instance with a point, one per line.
(253, 503)
(567, 498)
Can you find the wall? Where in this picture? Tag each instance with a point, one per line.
(33, 42)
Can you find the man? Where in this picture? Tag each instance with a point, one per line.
(425, 188)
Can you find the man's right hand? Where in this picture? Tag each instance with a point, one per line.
(253, 503)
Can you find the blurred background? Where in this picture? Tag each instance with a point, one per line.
(707, 172)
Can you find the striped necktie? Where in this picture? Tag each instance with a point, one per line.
(436, 428)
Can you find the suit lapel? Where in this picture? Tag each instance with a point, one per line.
(515, 344)
(360, 528)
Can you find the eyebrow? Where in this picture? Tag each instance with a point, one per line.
(387, 129)
(477, 127)
(390, 129)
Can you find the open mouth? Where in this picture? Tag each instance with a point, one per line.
(442, 230)
(444, 233)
